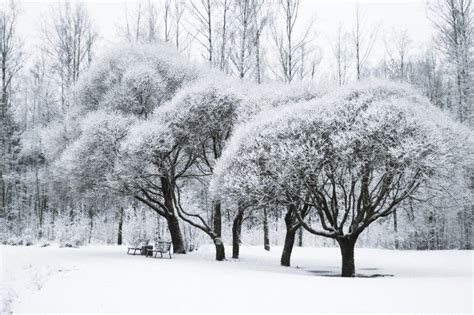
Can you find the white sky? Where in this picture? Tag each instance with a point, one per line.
(389, 14)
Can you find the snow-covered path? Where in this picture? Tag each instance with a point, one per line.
(105, 279)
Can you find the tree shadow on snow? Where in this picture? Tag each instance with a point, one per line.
(337, 274)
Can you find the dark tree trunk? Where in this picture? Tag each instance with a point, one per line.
(217, 217)
(347, 252)
(167, 187)
(91, 227)
(395, 229)
(119, 236)
(300, 237)
(220, 250)
(266, 238)
(288, 247)
(41, 217)
(176, 235)
(91, 223)
(236, 231)
(291, 228)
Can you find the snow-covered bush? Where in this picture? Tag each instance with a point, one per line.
(133, 79)
(90, 161)
(351, 157)
(271, 95)
(204, 114)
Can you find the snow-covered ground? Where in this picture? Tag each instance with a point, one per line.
(105, 279)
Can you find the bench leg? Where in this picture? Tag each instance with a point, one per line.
(169, 252)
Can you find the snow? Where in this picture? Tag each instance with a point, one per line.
(105, 279)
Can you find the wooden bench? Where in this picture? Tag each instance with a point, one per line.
(140, 245)
(161, 247)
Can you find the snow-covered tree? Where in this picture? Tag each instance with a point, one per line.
(121, 89)
(152, 160)
(180, 145)
(351, 158)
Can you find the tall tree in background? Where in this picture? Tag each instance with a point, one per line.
(225, 34)
(182, 37)
(202, 11)
(341, 54)
(166, 20)
(288, 47)
(397, 46)
(427, 74)
(261, 17)
(69, 40)
(11, 63)
(141, 22)
(363, 41)
(244, 12)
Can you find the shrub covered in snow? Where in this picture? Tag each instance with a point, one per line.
(134, 79)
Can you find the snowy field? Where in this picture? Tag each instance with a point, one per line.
(105, 279)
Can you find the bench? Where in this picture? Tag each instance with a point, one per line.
(140, 245)
(161, 247)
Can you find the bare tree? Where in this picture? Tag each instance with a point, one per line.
(183, 37)
(166, 20)
(225, 32)
(68, 40)
(141, 22)
(202, 10)
(244, 15)
(363, 41)
(152, 21)
(178, 11)
(289, 48)
(133, 22)
(397, 46)
(341, 54)
(261, 17)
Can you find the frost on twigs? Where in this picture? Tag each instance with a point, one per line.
(133, 79)
(353, 155)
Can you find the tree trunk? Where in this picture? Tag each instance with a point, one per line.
(91, 227)
(220, 250)
(236, 231)
(291, 228)
(217, 217)
(266, 238)
(395, 229)
(119, 236)
(41, 217)
(300, 237)
(347, 251)
(176, 235)
(288, 247)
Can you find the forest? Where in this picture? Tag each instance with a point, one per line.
(222, 122)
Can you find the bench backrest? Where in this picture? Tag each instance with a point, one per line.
(163, 246)
(141, 242)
